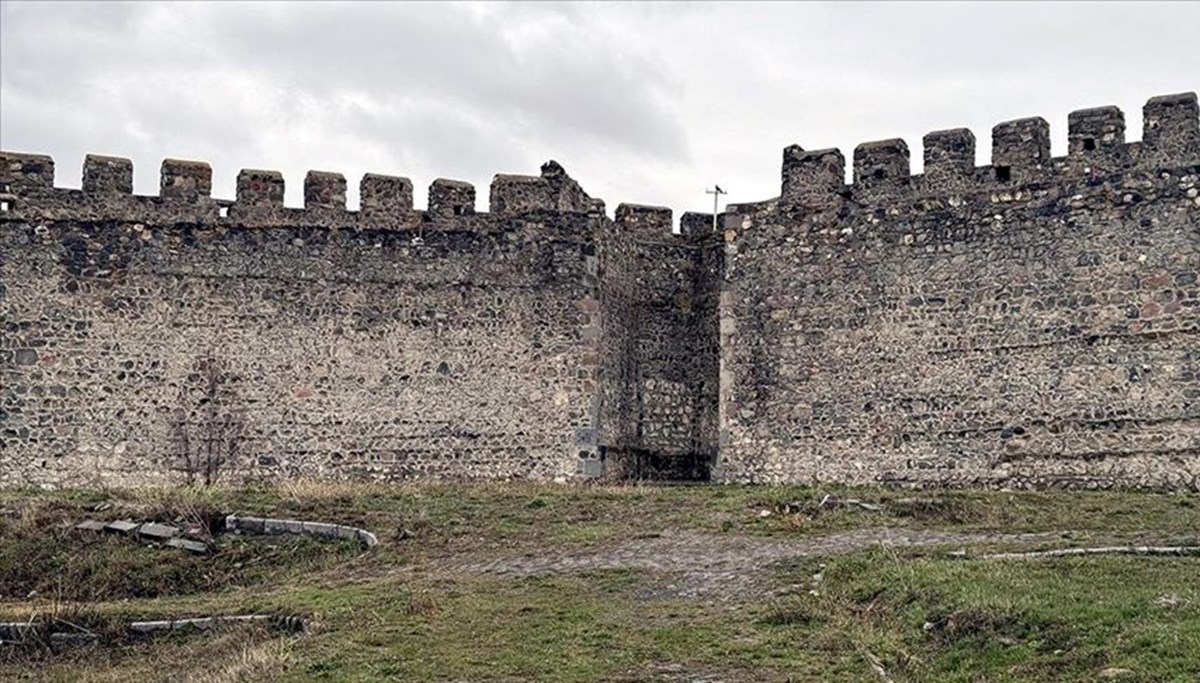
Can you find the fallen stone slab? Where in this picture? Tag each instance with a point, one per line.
(91, 525)
(122, 526)
(158, 532)
(15, 631)
(195, 547)
(1174, 551)
(62, 641)
(323, 530)
(291, 623)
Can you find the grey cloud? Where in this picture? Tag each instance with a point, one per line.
(647, 102)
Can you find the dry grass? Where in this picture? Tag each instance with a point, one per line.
(402, 613)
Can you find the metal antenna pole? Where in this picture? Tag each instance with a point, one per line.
(716, 192)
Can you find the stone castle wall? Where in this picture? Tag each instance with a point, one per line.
(659, 301)
(1031, 322)
(147, 336)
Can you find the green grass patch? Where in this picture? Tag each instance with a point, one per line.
(403, 612)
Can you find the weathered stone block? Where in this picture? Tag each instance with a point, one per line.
(158, 532)
(381, 195)
(884, 162)
(256, 188)
(123, 526)
(514, 195)
(324, 190)
(812, 180)
(949, 158)
(185, 180)
(1020, 149)
(451, 198)
(25, 173)
(107, 175)
(1171, 124)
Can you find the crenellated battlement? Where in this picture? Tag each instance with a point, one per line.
(28, 190)
(1020, 155)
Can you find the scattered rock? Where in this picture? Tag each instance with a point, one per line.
(1114, 672)
(1169, 600)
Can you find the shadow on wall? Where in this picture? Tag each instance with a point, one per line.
(635, 464)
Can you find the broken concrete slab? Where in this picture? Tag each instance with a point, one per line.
(91, 525)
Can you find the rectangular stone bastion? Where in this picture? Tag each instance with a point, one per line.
(1030, 323)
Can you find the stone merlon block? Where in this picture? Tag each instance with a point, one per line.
(881, 161)
(385, 194)
(186, 180)
(518, 194)
(260, 188)
(1020, 148)
(25, 172)
(812, 179)
(949, 156)
(1095, 131)
(644, 219)
(1171, 122)
(568, 195)
(324, 190)
(451, 198)
(693, 224)
(107, 175)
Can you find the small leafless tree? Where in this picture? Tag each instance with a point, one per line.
(208, 428)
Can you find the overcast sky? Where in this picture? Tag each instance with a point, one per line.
(643, 103)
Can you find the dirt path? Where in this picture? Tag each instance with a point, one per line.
(698, 565)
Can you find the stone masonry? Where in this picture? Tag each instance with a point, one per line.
(1034, 322)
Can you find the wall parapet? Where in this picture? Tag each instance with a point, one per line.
(814, 181)
(185, 196)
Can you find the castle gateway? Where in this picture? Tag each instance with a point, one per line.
(1035, 322)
